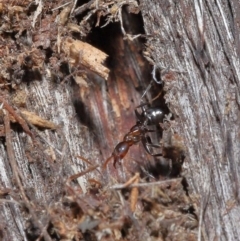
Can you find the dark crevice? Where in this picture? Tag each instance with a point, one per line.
(122, 54)
(83, 114)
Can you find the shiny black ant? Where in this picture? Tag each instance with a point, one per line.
(147, 117)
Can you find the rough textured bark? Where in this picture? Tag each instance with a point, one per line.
(91, 115)
(195, 46)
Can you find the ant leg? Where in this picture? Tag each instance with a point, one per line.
(156, 97)
(107, 161)
(156, 131)
(147, 144)
(153, 145)
(115, 160)
(151, 84)
(149, 149)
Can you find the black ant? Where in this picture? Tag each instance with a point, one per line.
(148, 116)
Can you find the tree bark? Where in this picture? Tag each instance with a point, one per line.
(63, 86)
(195, 46)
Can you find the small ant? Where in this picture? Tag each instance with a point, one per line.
(148, 116)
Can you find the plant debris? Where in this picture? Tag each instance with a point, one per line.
(92, 58)
(45, 41)
(146, 212)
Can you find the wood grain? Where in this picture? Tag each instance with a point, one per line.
(195, 45)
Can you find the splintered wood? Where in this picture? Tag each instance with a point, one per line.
(80, 53)
(37, 120)
(29, 116)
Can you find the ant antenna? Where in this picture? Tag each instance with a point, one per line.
(147, 89)
(155, 67)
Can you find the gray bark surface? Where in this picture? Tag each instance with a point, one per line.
(92, 116)
(195, 46)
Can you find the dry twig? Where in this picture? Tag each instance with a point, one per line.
(19, 119)
(146, 184)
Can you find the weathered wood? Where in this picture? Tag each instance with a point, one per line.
(91, 115)
(195, 46)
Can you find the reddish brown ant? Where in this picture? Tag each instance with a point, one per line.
(148, 116)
